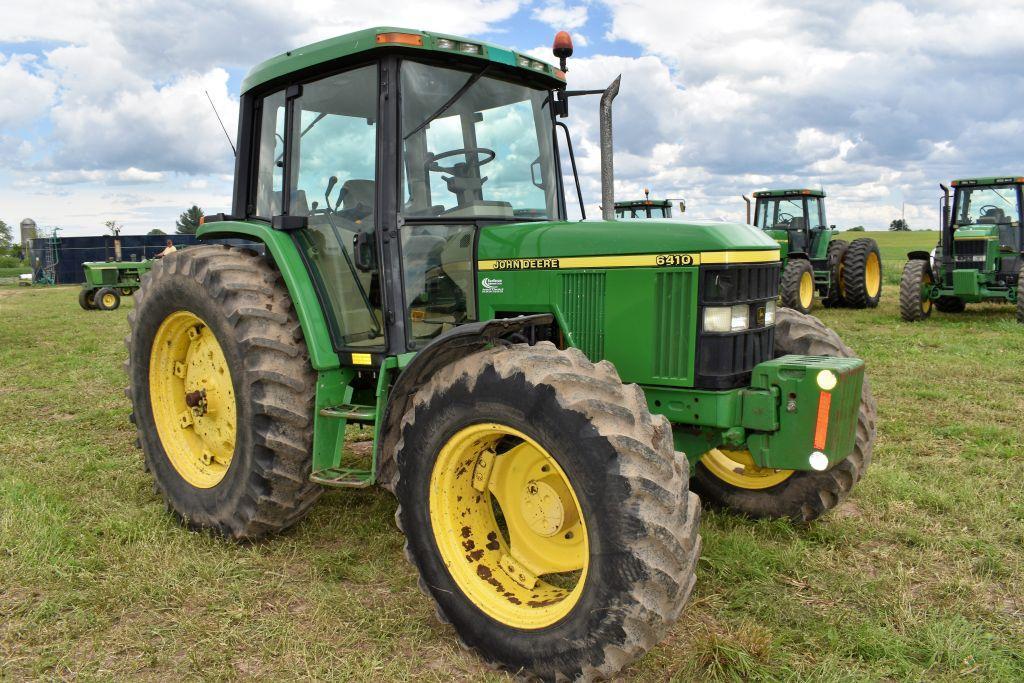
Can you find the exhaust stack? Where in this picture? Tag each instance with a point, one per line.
(747, 200)
(607, 166)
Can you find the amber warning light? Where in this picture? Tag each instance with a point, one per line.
(562, 48)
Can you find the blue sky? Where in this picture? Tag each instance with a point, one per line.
(102, 112)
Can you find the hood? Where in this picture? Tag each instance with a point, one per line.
(633, 236)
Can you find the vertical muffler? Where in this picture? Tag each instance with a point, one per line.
(607, 164)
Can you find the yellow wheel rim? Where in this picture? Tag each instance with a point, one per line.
(806, 290)
(193, 399)
(872, 274)
(108, 300)
(508, 526)
(738, 468)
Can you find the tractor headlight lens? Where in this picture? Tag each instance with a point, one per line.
(769, 313)
(523, 62)
(726, 318)
(469, 48)
(445, 44)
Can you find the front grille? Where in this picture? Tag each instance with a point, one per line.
(970, 247)
(724, 360)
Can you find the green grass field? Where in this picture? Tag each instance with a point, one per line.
(917, 576)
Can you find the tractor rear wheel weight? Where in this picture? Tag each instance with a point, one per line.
(242, 310)
(915, 304)
(630, 507)
(834, 259)
(797, 285)
(862, 274)
(804, 495)
(85, 299)
(106, 299)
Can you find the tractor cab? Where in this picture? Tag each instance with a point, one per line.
(984, 231)
(795, 219)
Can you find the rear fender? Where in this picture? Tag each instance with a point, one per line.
(288, 260)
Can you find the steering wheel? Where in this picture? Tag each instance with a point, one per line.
(784, 218)
(487, 154)
(984, 210)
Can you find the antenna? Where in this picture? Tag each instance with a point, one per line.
(222, 127)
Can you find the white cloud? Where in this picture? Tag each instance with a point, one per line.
(25, 94)
(561, 16)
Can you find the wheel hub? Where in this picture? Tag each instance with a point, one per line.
(739, 469)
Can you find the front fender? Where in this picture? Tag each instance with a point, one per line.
(289, 262)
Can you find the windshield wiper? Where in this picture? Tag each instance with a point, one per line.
(451, 100)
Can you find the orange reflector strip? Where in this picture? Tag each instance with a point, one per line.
(401, 38)
(821, 427)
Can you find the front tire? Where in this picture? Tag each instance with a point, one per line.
(85, 299)
(862, 274)
(797, 286)
(915, 283)
(799, 495)
(834, 258)
(613, 549)
(106, 299)
(222, 392)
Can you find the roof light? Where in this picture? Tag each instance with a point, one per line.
(469, 48)
(537, 66)
(523, 61)
(400, 39)
(562, 48)
(445, 44)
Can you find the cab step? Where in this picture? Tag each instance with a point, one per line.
(344, 477)
(352, 413)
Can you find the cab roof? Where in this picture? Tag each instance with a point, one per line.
(389, 37)
(632, 203)
(992, 180)
(790, 193)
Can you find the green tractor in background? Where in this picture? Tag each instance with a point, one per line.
(814, 260)
(980, 256)
(646, 207)
(107, 281)
(539, 390)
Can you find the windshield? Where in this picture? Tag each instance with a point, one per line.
(475, 146)
(643, 212)
(780, 214)
(987, 205)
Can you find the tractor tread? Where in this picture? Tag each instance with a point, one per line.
(834, 257)
(275, 379)
(661, 522)
(789, 286)
(911, 301)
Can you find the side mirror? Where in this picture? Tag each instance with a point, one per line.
(832, 227)
(362, 251)
(682, 207)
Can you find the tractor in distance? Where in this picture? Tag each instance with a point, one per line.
(540, 390)
(814, 259)
(646, 207)
(980, 256)
(107, 281)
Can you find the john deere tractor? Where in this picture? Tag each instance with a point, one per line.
(540, 391)
(813, 259)
(107, 281)
(646, 207)
(980, 256)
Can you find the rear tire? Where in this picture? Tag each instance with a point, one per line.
(862, 274)
(1020, 295)
(797, 286)
(242, 302)
(107, 299)
(639, 520)
(804, 495)
(85, 299)
(834, 258)
(914, 304)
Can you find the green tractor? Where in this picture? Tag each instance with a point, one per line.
(814, 260)
(107, 281)
(646, 207)
(539, 390)
(980, 256)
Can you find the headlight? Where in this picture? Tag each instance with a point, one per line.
(769, 313)
(727, 318)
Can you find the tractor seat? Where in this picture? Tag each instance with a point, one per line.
(798, 223)
(357, 199)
